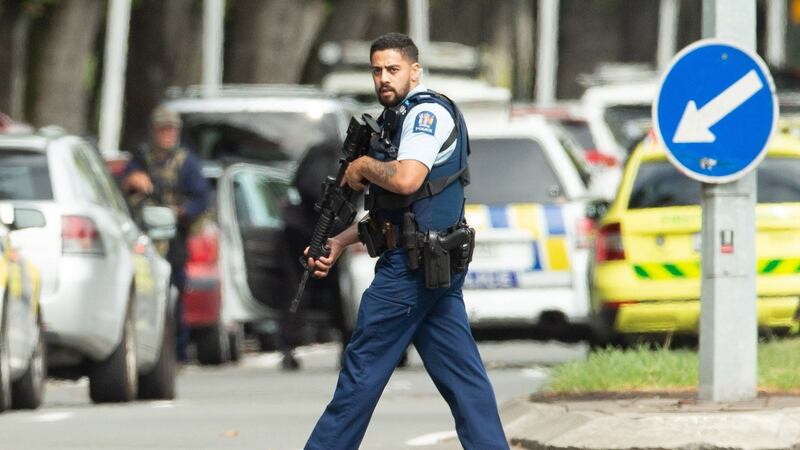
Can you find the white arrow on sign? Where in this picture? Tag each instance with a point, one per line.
(695, 123)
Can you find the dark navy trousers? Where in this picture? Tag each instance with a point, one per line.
(396, 310)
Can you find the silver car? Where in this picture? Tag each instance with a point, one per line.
(105, 294)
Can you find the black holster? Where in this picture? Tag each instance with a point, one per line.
(442, 253)
(371, 234)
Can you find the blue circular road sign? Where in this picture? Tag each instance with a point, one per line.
(715, 111)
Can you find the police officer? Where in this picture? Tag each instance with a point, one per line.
(423, 173)
(166, 174)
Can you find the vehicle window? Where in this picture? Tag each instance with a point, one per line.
(108, 188)
(24, 176)
(511, 171)
(575, 153)
(660, 184)
(579, 130)
(257, 136)
(628, 122)
(258, 200)
(84, 180)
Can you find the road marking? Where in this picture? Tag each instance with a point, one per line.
(399, 385)
(162, 404)
(534, 372)
(431, 439)
(695, 123)
(52, 416)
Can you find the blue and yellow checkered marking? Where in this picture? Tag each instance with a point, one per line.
(545, 223)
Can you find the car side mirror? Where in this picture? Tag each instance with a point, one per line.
(160, 222)
(21, 218)
(596, 209)
(7, 215)
(28, 218)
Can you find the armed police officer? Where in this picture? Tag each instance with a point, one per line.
(415, 197)
(166, 174)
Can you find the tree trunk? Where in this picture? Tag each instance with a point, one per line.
(467, 23)
(501, 44)
(67, 45)
(15, 27)
(353, 20)
(165, 50)
(524, 42)
(270, 39)
(587, 37)
(638, 25)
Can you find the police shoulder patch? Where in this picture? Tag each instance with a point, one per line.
(425, 122)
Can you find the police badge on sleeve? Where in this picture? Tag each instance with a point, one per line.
(425, 123)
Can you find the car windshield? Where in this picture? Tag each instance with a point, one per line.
(24, 176)
(659, 184)
(628, 123)
(256, 136)
(511, 171)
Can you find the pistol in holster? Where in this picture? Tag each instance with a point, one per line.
(441, 254)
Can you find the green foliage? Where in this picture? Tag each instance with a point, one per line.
(779, 365)
(643, 368)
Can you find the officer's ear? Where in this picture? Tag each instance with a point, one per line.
(416, 72)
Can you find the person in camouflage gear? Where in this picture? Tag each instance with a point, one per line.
(166, 174)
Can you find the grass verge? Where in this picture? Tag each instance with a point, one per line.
(645, 369)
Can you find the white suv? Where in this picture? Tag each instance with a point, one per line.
(105, 292)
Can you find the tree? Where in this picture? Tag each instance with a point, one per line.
(165, 50)
(270, 40)
(63, 63)
(354, 20)
(15, 25)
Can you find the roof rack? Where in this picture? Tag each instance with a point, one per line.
(247, 90)
(612, 73)
(436, 55)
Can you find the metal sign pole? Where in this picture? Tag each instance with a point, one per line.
(728, 325)
(547, 51)
(115, 63)
(213, 36)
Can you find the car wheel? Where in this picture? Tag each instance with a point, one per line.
(212, 345)
(28, 391)
(115, 379)
(5, 362)
(159, 383)
(236, 342)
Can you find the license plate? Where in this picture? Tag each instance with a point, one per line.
(491, 280)
(486, 251)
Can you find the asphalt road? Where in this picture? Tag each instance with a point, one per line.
(255, 405)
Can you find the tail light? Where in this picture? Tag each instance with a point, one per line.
(204, 247)
(585, 232)
(79, 235)
(596, 158)
(609, 243)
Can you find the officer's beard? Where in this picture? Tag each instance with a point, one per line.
(398, 96)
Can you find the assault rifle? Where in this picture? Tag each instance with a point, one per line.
(337, 200)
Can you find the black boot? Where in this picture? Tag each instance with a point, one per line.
(289, 362)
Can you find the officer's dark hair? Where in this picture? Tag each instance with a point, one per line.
(396, 41)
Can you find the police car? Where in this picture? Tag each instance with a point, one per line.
(646, 265)
(526, 201)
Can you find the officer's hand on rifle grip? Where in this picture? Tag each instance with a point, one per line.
(323, 265)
